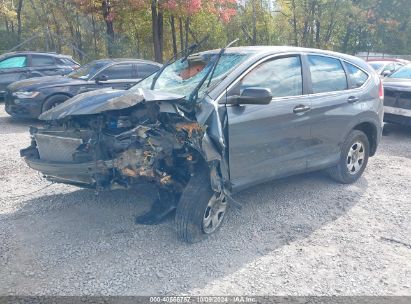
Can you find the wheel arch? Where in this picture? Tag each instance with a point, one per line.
(53, 95)
(371, 131)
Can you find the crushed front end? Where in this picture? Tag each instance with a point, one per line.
(116, 149)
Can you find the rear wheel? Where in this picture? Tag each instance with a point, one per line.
(200, 211)
(354, 158)
(53, 101)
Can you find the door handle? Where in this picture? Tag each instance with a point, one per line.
(353, 99)
(301, 109)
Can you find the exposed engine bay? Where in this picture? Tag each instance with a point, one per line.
(141, 144)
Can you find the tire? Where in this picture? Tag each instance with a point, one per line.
(194, 210)
(355, 148)
(53, 101)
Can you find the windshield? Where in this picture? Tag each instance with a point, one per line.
(87, 71)
(182, 77)
(404, 72)
(376, 65)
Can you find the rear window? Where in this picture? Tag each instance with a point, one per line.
(327, 74)
(14, 62)
(39, 60)
(357, 76)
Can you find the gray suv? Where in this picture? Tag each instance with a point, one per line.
(213, 123)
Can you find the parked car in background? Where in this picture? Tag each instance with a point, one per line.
(22, 65)
(385, 66)
(397, 103)
(31, 97)
(214, 123)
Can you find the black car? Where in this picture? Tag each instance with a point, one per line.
(22, 65)
(31, 97)
(213, 123)
(397, 103)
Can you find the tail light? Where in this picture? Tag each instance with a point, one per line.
(381, 91)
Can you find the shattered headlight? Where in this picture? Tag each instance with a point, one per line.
(26, 94)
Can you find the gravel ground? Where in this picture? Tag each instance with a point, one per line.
(304, 235)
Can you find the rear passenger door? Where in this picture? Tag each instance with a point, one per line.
(335, 101)
(43, 65)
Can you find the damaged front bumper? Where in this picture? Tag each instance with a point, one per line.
(78, 174)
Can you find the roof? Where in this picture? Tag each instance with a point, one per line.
(262, 51)
(36, 53)
(117, 60)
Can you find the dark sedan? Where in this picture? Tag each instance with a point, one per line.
(397, 103)
(29, 98)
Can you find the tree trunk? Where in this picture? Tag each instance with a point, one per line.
(108, 17)
(19, 27)
(187, 31)
(295, 30)
(254, 42)
(157, 28)
(93, 24)
(180, 25)
(173, 35)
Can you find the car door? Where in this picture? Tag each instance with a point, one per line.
(335, 102)
(118, 76)
(43, 65)
(269, 141)
(12, 69)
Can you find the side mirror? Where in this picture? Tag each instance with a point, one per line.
(100, 78)
(256, 96)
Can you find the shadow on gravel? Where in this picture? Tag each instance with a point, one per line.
(77, 239)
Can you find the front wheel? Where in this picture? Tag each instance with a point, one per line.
(53, 101)
(354, 158)
(200, 211)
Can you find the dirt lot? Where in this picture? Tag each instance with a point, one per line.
(304, 235)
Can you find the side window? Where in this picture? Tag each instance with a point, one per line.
(283, 76)
(145, 70)
(118, 71)
(39, 60)
(357, 76)
(327, 74)
(14, 62)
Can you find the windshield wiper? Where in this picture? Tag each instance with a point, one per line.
(187, 52)
(210, 72)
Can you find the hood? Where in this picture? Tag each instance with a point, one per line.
(105, 100)
(397, 84)
(36, 83)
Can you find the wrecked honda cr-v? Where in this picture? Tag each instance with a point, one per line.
(210, 124)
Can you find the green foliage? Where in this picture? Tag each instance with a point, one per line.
(79, 27)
